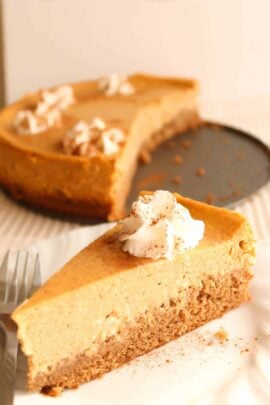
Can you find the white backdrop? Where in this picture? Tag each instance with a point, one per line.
(224, 43)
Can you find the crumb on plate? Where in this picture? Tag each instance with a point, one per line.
(185, 144)
(176, 180)
(201, 171)
(210, 198)
(221, 335)
(178, 160)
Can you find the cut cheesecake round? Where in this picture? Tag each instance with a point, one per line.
(35, 169)
(106, 307)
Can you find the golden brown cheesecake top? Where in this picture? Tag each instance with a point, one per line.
(117, 110)
(105, 258)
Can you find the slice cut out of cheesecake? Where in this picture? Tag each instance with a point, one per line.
(90, 180)
(106, 306)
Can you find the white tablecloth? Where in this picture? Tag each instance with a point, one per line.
(20, 226)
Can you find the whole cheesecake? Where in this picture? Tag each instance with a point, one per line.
(107, 306)
(35, 166)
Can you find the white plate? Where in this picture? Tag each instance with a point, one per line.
(194, 369)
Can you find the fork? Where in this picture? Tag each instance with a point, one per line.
(16, 284)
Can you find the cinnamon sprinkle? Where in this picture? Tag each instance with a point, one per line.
(155, 179)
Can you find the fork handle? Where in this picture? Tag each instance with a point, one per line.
(9, 363)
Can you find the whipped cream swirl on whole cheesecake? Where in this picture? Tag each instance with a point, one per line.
(116, 84)
(89, 139)
(47, 112)
(158, 226)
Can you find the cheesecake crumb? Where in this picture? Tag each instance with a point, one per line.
(185, 144)
(221, 335)
(170, 145)
(201, 172)
(210, 198)
(241, 156)
(234, 193)
(178, 160)
(176, 180)
(225, 140)
(145, 157)
(52, 391)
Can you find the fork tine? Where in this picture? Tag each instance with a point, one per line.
(3, 275)
(16, 278)
(22, 286)
(19, 281)
(36, 276)
(9, 278)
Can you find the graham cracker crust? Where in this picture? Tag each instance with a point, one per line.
(153, 329)
(59, 204)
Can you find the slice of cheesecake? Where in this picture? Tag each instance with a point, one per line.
(107, 306)
(50, 154)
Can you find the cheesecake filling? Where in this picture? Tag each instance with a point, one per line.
(116, 84)
(47, 113)
(90, 139)
(149, 330)
(158, 226)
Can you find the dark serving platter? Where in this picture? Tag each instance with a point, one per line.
(214, 163)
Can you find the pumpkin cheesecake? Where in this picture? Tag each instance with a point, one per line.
(74, 149)
(170, 266)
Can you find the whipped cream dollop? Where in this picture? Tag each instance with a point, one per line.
(158, 226)
(47, 112)
(116, 84)
(89, 139)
